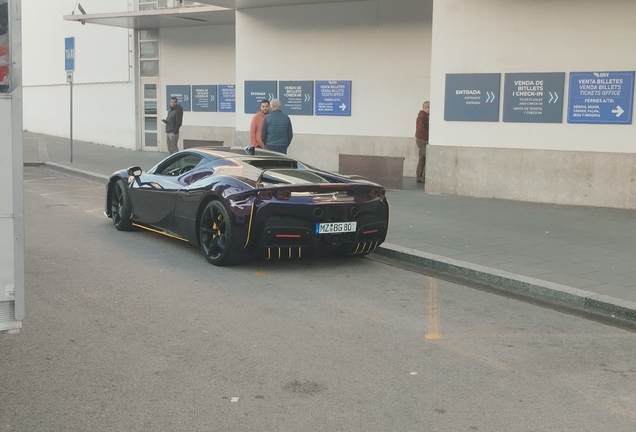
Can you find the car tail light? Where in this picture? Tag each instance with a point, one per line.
(282, 194)
(377, 193)
(264, 194)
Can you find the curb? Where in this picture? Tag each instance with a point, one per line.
(75, 171)
(511, 282)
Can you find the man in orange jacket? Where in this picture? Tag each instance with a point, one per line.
(257, 124)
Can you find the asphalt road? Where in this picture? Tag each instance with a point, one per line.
(137, 332)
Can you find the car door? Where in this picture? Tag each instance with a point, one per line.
(155, 194)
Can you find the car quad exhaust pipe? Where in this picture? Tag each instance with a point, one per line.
(365, 248)
(284, 253)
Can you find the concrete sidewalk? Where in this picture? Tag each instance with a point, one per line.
(583, 257)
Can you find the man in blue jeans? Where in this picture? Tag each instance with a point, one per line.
(277, 132)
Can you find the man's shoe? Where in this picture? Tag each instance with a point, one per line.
(419, 180)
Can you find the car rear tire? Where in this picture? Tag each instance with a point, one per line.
(120, 206)
(216, 235)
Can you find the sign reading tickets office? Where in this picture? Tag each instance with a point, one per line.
(601, 97)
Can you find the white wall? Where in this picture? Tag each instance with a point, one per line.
(382, 46)
(531, 36)
(104, 95)
(198, 56)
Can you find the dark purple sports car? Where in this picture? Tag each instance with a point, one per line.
(237, 204)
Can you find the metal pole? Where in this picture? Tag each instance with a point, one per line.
(71, 121)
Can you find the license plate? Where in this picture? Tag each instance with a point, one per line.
(335, 227)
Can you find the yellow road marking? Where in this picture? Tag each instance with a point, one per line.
(432, 311)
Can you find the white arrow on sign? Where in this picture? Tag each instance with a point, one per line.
(342, 107)
(553, 97)
(490, 97)
(307, 97)
(212, 98)
(618, 111)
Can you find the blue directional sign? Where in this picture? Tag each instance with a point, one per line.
(601, 97)
(69, 54)
(297, 97)
(255, 92)
(227, 97)
(333, 98)
(472, 97)
(533, 97)
(204, 98)
(181, 92)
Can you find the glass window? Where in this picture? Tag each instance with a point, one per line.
(145, 35)
(149, 49)
(180, 165)
(147, 6)
(151, 139)
(151, 123)
(150, 107)
(149, 68)
(150, 91)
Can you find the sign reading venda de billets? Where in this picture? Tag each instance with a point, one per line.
(204, 98)
(333, 98)
(297, 97)
(181, 92)
(227, 97)
(257, 91)
(601, 97)
(533, 97)
(472, 97)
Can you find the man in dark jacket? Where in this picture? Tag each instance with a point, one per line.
(277, 132)
(173, 124)
(421, 139)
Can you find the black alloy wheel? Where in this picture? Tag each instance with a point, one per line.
(216, 238)
(120, 206)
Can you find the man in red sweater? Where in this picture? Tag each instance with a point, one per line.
(421, 139)
(257, 124)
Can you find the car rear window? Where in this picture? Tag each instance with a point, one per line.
(273, 163)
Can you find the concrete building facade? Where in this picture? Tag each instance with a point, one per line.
(392, 54)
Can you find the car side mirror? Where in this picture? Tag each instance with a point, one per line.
(134, 171)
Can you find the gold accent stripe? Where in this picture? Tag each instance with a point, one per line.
(160, 232)
(249, 227)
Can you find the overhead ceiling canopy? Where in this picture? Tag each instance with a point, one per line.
(162, 18)
(249, 4)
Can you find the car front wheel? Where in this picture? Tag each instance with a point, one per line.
(120, 206)
(216, 237)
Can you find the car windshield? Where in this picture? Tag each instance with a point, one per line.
(179, 165)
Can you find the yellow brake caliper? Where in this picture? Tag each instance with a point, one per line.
(216, 227)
